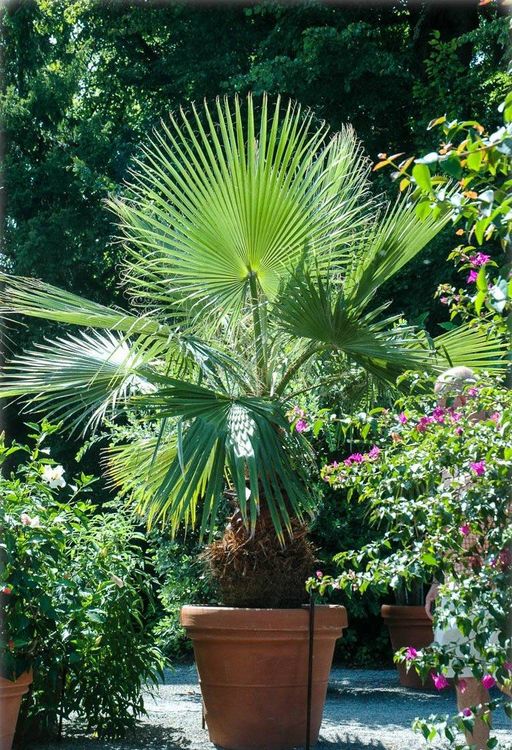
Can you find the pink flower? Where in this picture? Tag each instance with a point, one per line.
(464, 530)
(438, 414)
(374, 452)
(478, 467)
(472, 277)
(495, 416)
(402, 417)
(301, 425)
(354, 458)
(423, 423)
(472, 392)
(319, 575)
(411, 653)
(467, 712)
(459, 430)
(462, 685)
(480, 259)
(440, 681)
(488, 681)
(298, 411)
(444, 300)
(456, 416)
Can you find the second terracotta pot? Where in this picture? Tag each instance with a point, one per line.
(409, 626)
(253, 670)
(11, 693)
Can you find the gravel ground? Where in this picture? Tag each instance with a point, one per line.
(365, 710)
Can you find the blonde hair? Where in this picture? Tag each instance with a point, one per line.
(454, 380)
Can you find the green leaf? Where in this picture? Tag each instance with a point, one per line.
(451, 165)
(429, 559)
(481, 280)
(421, 174)
(480, 227)
(474, 160)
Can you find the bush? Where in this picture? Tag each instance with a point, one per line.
(183, 582)
(78, 596)
(437, 485)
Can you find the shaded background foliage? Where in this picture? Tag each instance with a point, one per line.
(84, 82)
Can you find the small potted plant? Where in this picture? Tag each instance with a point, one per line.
(253, 255)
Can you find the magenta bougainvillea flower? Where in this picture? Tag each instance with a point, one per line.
(403, 418)
(472, 277)
(464, 529)
(374, 452)
(478, 467)
(467, 712)
(488, 681)
(319, 575)
(354, 458)
(424, 423)
(411, 653)
(480, 259)
(301, 425)
(440, 681)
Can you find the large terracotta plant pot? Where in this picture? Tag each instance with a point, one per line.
(253, 670)
(409, 626)
(11, 693)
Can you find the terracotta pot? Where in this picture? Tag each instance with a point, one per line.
(409, 626)
(11, 693)
(253, 670)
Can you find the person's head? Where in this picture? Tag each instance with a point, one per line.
(451, 383)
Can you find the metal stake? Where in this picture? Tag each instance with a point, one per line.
(310, 668)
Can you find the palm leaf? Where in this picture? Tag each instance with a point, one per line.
(247, 438)
(315, 308)
(216, 201)
(80, 378)
(394, 241)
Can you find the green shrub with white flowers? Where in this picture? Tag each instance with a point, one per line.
(77, 596)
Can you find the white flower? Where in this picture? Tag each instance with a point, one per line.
(118, 581)
(26, 520)
(52, 475)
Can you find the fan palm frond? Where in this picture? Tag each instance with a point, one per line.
(215, 202)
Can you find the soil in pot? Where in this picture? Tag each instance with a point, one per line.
(253, 670)
(11, 694)
(409, 626)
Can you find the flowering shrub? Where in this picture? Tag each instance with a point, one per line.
(469, 177)
(76, 599)
(437, 483)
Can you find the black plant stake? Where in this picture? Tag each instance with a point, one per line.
(310, 667)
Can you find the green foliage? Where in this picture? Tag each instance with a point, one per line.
(480, 204)
(436, 484)
(183, 579)
(77, 597)
(271, 261)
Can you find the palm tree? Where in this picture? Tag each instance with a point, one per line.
(253, 250)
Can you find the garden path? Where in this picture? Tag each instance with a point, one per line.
(365, 710)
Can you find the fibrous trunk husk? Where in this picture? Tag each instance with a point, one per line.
(260, 571)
